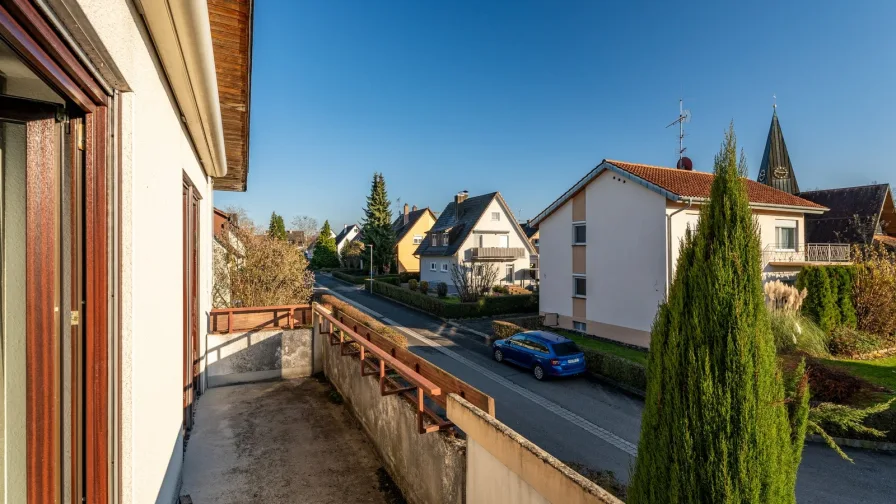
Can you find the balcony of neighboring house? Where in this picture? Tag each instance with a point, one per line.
(776, 254)
(496, 253)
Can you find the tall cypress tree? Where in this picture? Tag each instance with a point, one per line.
(716, 427)
(276, 228)
(325, 255)
(377, 224)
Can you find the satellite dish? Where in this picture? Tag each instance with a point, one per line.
(685, 163)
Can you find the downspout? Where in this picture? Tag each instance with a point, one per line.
(669, 244)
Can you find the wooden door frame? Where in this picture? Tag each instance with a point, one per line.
(31, 36)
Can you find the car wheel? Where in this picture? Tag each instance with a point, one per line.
(499, 355)
(538, 372)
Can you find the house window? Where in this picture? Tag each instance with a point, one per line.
(445, 268)
(579, 326)
(445, 239)
(535, 242)
(578, 234)
(496, 216)
(503, 241)
(578, 289)
(508, 273)
(785, 235)
(435, 240)
(418, 239)
(432, 266)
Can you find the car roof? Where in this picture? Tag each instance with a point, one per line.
(547, 336)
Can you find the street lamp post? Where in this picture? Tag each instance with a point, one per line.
(371, 267)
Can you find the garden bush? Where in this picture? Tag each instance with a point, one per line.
(504, 330)
(423, 287)
(412, 284)
(795, 333)
(442, 289)
(501, 305)
(875, 291)
(406, 276)
(622, 371)
(500, 289)
(835, 385)
(821, 303)
(339, 307)
(393, 280)
(848, 342)
(357, 280)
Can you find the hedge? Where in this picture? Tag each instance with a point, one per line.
(493, 305)
(361, 279)
(407, 276)
(628, 374)
(829, 302)
(339, 307)
(855, 344)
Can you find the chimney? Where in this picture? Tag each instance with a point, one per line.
(458, 199)
(414, 209)
(406, 216)
(344, 227)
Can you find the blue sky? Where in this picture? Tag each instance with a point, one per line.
(526, 97)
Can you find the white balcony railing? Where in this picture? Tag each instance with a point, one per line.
(806, 253)
(496, 253)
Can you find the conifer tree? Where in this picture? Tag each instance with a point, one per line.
(377, 225)
(325, 255)
(716, 426)
(276, 228)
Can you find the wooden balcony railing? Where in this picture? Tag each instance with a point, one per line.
(496, 253)
(806, 253)
(257, 318)
(400, 371)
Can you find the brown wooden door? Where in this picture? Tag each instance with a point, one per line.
(191, 299)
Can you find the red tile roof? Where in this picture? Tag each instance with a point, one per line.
(694, 184)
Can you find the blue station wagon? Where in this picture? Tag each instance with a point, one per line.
(545, 353)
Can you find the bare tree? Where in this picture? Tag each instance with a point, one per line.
(239, 217)
(473, 280)
(308, 225)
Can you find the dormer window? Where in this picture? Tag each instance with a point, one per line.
(435, 240)
(444, 239)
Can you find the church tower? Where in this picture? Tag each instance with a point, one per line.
(776, 170)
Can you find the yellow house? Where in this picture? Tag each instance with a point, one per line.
(410, 227)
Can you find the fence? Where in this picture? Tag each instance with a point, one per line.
(255, 318)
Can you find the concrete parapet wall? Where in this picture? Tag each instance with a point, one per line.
(428, 468)
(504, 467)
(243, 357)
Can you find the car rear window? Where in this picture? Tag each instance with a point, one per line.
(568, 348)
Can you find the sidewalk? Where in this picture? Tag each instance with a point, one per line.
(281, 442)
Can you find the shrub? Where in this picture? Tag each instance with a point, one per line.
(406, 276)
(717, 423)
(357, 280)
(874, 290)
(844, 276)
(500, 289)
(392, 280)
(821, 302)
(796, 333)
(848, 342)
(412, 284)
(832, 384)
(442, 289)
(502, 305)
(484, 307)
(622, 371)
(424, 287)
(780, 296)
(504, 330)
(341, 308)
(531, 323)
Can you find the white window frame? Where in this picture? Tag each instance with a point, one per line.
(418, 239)
(435, 240)
(575, 293)
(432, 266)
(444, 267)
(576, 225)
(787, 224)
(575, 326)
(444, 239)
(496, 216)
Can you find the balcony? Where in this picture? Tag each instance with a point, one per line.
(806, 254)
(496, 253)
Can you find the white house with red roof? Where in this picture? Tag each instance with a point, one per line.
(610, 243)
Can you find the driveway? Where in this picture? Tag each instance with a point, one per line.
(585, 421)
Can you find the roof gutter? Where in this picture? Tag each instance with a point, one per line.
(182, 37)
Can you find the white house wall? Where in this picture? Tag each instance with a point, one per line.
(156, 156)
(555, 262)
(434, 277)
(490, 231)
(625, 252)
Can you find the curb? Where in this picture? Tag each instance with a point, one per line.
(881, 446)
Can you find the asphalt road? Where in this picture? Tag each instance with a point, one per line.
(583, 420)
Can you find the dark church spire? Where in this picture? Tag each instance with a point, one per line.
(776, 170)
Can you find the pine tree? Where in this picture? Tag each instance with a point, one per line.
(377, 225)
(325, 255)
(716, 426)
(276, 229)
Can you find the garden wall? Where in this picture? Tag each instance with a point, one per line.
(249, 356)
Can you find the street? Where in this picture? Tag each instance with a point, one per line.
(583, 420)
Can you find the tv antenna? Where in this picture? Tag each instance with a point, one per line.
(683, 117)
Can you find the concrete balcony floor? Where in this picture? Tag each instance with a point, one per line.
(278, 442)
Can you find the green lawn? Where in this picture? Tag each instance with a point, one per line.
(451, 300)
(878, 371)
(605, 346)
